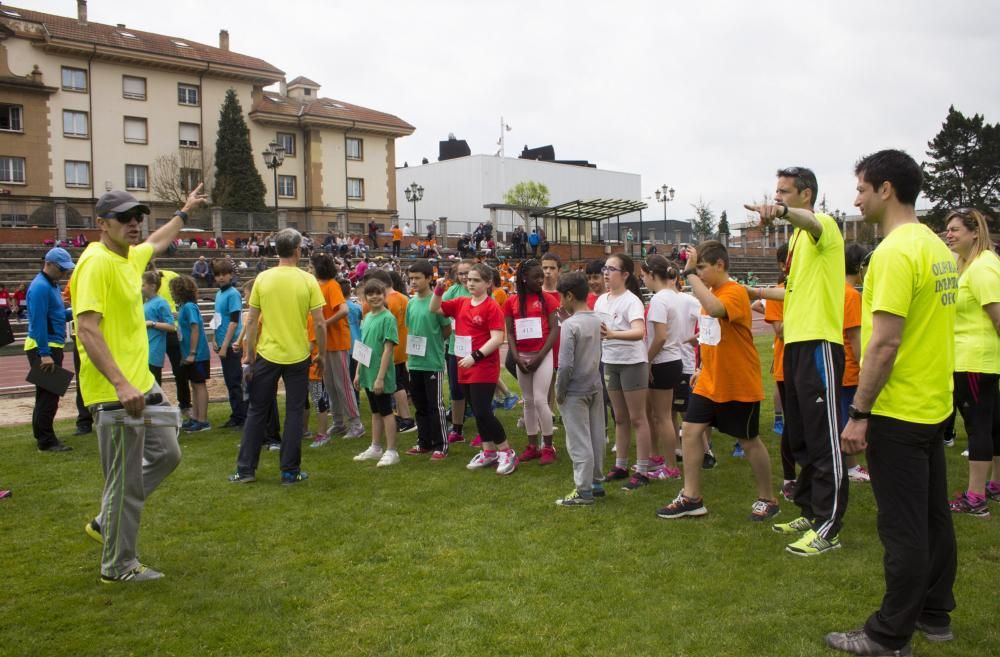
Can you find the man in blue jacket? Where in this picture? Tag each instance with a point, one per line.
(44, 344)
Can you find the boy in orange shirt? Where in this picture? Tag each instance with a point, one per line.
(854, 254)
(728, 388)
(397, 240)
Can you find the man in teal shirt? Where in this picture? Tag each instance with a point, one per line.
(425, 361)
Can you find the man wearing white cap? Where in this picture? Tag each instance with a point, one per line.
(115, 377)
(44, 344)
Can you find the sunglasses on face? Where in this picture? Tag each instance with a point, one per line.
(125, 217)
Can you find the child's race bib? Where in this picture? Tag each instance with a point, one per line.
(463, 345)
(709, 330)
(362, 353)
(416, 345)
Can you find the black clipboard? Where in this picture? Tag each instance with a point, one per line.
(55, 380)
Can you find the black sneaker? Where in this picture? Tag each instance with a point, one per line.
(635, 482)
(709, 461)
(82, 431)
(232, 424)
(936, 634)
(237, 478)
(405, 425)
(56, 447)
(859, 643)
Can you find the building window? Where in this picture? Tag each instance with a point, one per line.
(135, 176)
(287, 140)
(134, 88)
(10, 118)
(356, 189)
(135, 130)
(75, 124)
(189, 179)
(190, 135)
(187, 94)
(77, 174)
(286, 186)
(12, 170)
(355, 149)
(307, 92)
(74, 79)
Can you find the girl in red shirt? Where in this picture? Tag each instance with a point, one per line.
(478, 336)
(532, 328)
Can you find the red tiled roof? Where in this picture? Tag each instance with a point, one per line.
(304, 81)
(330, 109)
(70, 29)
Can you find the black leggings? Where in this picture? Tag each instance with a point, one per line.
(480, 397)
(976, 399)
(787, 460)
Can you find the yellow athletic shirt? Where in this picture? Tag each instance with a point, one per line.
(913, 275)
(977, 345)
(814, 291)
(106, 283)
(285, 295)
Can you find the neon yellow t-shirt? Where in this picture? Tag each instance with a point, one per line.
(814, 291)
(913, 275)
(285, 295)
(165, 277)
(106, 283)
(977, 345)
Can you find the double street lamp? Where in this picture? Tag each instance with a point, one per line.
(273, 158)
(664, 195)
(414, 194)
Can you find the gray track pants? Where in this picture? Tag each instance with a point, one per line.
(135, 460)
(586, 437)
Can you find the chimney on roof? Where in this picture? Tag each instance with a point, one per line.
(121, 26)
(81, 11)
(224, 39)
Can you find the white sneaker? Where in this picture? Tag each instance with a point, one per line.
(859, 475)
(373, 452)
(480, 460)
(391, 457)
(506, 462)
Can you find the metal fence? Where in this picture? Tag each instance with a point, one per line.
(248, 221)
(21, 213)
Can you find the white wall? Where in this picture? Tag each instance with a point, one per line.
(458, 189)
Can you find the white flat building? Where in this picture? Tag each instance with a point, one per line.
(459, 188)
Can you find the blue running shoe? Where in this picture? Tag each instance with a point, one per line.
(738, 451)
(779, 426)
(510, 402)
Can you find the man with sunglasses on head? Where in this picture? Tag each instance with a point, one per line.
(813, 359)
(44, 344)
(115, 377)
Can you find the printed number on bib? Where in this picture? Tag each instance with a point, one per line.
(362, 353)
(416, 345)
(463, 345)
(528, 328)
(709, 330)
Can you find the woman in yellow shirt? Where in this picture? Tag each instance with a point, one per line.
(977, 355)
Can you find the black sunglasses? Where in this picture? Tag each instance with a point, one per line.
(126, 217)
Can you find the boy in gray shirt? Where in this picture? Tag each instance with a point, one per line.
(579, 392)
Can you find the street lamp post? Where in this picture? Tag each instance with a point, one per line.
(664, 195)
(841, 219)
(273, 158)
(414, 194)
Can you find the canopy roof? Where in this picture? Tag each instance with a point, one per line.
(597, 209)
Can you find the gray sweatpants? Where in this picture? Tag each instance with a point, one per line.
(337, 377)
(586, 437)
(135, 460)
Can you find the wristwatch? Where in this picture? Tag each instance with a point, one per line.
(784, 210)
(856, 414)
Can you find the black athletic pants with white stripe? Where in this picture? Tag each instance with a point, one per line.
(427, 392)
(814, 371)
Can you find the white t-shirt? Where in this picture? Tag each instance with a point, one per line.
(666, 307)
(689, 313)
(619, 313)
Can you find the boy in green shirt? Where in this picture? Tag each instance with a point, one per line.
(425, 361)
(376, 373)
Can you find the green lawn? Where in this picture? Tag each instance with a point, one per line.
(427, 558)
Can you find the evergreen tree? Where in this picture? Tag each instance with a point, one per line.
(723, 224)
(238, 185)
(703, 225)
(964, 169)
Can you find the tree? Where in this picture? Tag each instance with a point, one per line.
(238, 185)
(527, 194)
(173, 176)
(703, 225)
(964, 166)
(723, 224)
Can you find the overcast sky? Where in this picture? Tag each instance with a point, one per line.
(708, 96)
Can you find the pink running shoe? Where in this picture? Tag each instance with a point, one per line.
(439, 455)
(530, 453)
(548, 456)
(455, 437)
(477, 441)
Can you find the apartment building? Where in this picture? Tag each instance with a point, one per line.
(87, 107)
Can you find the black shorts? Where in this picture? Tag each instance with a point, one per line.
(736, 418)
(380, 403)
(198, 371)
(666, 376)
(682, 393)
(402, 377)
